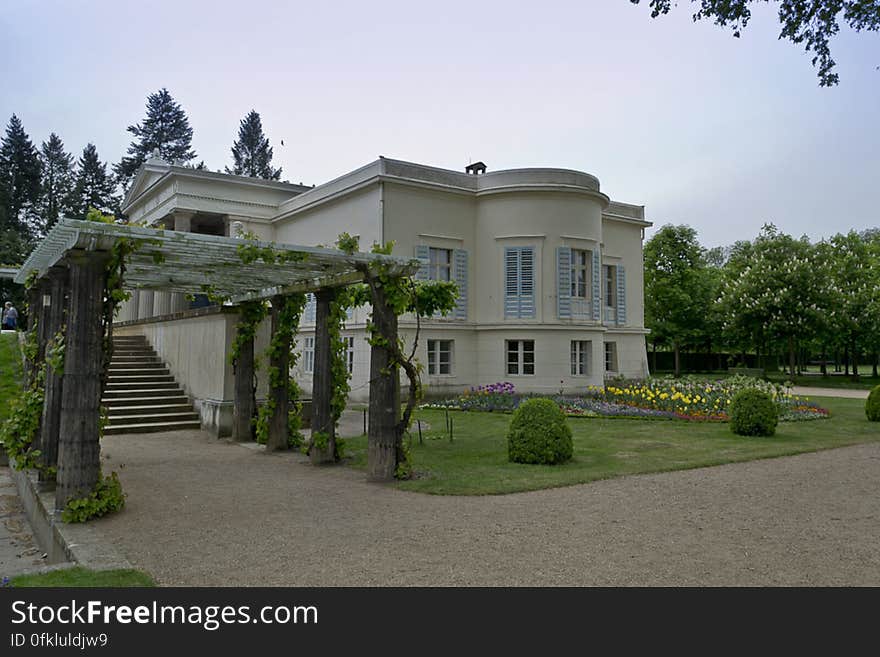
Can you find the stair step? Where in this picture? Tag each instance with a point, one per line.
(131, 390)
(140, 378)
(151, 427)
(133, 353)
(138, 369)
(187, 416)
(150, 409)
(158, 397)
(136, 364)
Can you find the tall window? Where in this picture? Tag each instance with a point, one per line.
(581, 266)
(439, 264)
(440, 356)
(309, 354)
(348, 343)
(610, 284)
(520, 357)
(580, 357)
(610, 356)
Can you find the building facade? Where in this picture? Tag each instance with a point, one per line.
(549, 269)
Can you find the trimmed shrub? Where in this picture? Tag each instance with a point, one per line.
(539, 434)
(872, 405)
(753, 413)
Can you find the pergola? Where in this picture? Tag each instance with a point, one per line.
(70, 265)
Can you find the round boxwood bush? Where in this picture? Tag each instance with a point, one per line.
(753, 413)
(872, 405)
(539, 434)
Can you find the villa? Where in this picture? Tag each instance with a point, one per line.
(548, 267)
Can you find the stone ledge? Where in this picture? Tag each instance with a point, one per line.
(183, 314)
(82, 544)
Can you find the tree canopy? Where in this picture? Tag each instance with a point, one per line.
(810, 22)
(251, 152)
(165, 129)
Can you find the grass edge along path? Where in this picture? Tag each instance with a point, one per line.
(78, 576)
(475, 462)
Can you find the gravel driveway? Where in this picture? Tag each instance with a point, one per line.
(203, 512)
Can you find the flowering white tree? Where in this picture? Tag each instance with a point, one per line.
(778, 292)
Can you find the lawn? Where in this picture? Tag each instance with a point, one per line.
(83, 577)
(475, 463)
(10, 371)
(831, 381)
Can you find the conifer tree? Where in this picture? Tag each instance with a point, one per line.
(165, 128)
(57, 181)
(93, 187)
(19, 191)
(251, 153)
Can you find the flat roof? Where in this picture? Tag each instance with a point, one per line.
(192, 263)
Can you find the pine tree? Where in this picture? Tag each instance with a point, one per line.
(19, 192)
(57, 181)
(166, 129)
(251, 153)
(93, 187)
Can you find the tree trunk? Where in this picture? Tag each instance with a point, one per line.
(322, 382)
(279, 428)
(383, 437)
(79, 463)
(244, 405)
(791, 357)
(855, 361)
(874, 357)
(51, 422)
(677, 366)
(824, 367)
(654, 356)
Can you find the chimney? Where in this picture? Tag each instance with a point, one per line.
(475, 169)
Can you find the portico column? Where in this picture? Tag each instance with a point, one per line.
(145, 304)
(382, 434)
(279, 395)
(181, 223)
(322, 382)
(78, 448)
(51, 423)
(243, 406)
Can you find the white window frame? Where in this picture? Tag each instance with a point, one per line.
(437, 266)
(581, 354)
(348, 342)
(435, 364)
(309, 354)
(519, 362)
(611, 364)
(586, 268)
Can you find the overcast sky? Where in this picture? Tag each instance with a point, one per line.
(720, 133)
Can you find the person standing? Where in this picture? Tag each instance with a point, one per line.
(10, 316)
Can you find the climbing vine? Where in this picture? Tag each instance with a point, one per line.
(392, 295)
(290, 312)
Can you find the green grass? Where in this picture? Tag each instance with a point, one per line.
(10, 371)
(832, 381)
(83, 577)
(476, 462)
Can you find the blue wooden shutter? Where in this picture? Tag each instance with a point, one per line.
(511, 281)
(460, 275)
(621, 295)
(598, 301)
(527, 282)
(424, 256)
(563, 281)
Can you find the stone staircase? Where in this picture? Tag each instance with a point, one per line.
(141, 394)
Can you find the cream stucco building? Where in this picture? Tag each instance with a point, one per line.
(549, 269)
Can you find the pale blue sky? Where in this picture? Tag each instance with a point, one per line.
(720, 133)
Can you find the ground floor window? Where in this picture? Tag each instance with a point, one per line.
(348, 343)
(309, 355)
(440, 356)
(520, 356)
(580, 357)
(610, 356)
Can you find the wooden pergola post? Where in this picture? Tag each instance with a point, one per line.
(244, 404)
(322, 381)
(78, 449)
(51, 422)
(382, 433)
(278, 393)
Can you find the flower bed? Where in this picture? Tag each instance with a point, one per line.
(689, 398)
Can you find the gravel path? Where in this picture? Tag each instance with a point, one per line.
(203, 512)
(805, 391)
